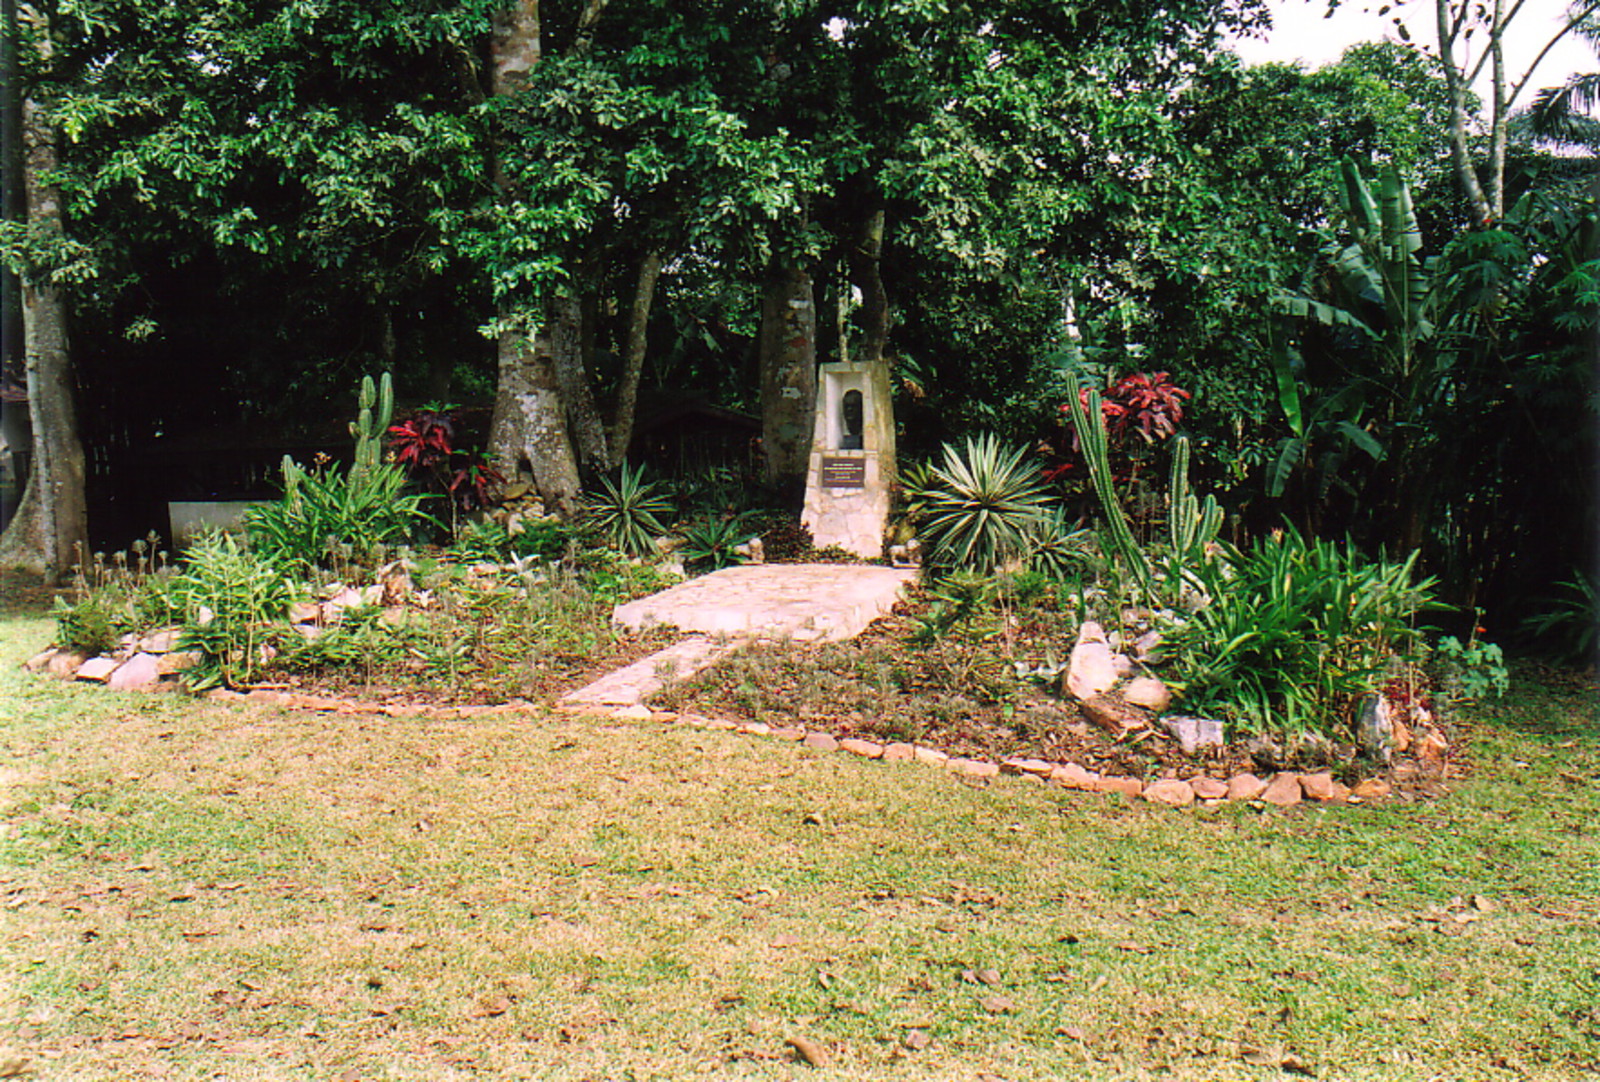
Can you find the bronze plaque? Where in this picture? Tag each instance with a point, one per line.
(844, 472)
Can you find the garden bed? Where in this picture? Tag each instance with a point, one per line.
(963, 698)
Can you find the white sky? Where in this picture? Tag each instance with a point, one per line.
(1300, 32)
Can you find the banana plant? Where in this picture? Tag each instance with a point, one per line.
(1394, 308)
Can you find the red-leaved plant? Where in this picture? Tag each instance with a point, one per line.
(1147, 403)
(424, 443)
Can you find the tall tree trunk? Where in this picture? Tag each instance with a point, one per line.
(865, 270)
(1457, 84)
(788, 351)
(528, 429)
(528, 425)
(572, 377)
(644, 292)
(52, 520)
(14, 430)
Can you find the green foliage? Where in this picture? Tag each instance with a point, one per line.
(1089, 422)
(328, 517)
(960, 603)
(92, 624)
(1569, 623)
(1474, 670)
(1058, 550)
(980, 508)
(709, 543)
(627, 511)
(1292, 630)
(235, 603)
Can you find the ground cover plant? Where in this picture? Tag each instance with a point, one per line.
(204, 888)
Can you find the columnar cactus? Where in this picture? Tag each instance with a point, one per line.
(376, 404)
(1091, 426)
(1191, 525)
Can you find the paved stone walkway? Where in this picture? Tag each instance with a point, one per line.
(738, 605)
(798, 602)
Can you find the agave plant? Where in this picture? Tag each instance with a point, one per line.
(711, 542)
(627, 511)
(981, 507)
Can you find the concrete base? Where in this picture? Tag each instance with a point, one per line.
(799, 602)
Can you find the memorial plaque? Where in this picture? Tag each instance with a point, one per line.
(844, 472)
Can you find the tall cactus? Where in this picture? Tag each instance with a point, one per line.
(1192, 525)
(376, 403)
(1091, 427)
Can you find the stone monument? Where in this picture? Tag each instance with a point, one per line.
(852, 458)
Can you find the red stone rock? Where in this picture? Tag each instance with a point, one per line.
(1169, 791)
(1148, 692)
(1207, 788)
(1126, 786)
(1283, 790)
(1432, 749)
(899, 752)
(1372, 789)
(176, 662)
(864, 748)
(821, 742)
(1245, 787)
(138, 671)
(40, 660)
(932, 756)
(1113, 716)
(65, 663)
(98, 669)
(1073, 776)
(787, 732)
(1036, 767)
(1319, 786)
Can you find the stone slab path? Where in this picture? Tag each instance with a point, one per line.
(797, 602)
(738, 605)
(631, 685)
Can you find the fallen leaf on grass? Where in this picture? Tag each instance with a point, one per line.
(1132, 947)
(917, 1039)
(14, 1068)
(1072, 1032)
(809, 1051)
(1275, 1056)
(490, 1007)
(997, 1004)
(783, 941)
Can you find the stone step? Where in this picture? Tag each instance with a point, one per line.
(632, 684)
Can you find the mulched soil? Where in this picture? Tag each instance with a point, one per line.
(544, 678)
(957, 697)
(25, 594)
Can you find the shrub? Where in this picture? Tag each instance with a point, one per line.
(1292, 630)
(626, 511)
(235, 604)
(92, 624)
(328, 517)
(980, 508)
(710, 543)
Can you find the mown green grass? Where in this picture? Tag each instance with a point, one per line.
(196, 890)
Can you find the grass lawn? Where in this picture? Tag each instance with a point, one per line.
(195, 889)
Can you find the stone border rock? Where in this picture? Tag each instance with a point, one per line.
(146, 669)
(1284, 790)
